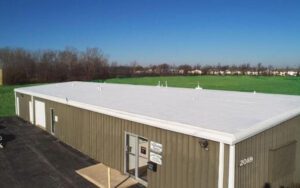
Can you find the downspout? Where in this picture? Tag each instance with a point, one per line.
(221, 165)
(33, 122)
(16, 110)
(231, 166)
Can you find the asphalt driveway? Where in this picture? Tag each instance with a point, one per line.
(33, 158)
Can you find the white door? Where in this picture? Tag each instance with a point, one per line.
(17, 106)
(40, 118)
(30, 112)
(131, 153)
(136, 159)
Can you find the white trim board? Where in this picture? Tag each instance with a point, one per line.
(231, 173)
(221, 165)
(30, 111)
(187, 129)
(16, 104)
(167, 125)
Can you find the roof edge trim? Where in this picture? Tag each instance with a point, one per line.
(158, 123)
(264, 125)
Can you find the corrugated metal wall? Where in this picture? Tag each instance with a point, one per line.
(257, 173)
(185, 163)
(226, 166)
(24, 106)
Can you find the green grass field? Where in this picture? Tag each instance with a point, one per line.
(7, 104)
(7, 100)
(263, 84)
(279, 85)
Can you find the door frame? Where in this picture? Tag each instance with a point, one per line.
(143, 182)
(18, 105)
(31, 111)
(52, 121)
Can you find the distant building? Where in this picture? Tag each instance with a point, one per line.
(274, 73)
(237, 72)
(149, 71)
(292, 73)
(252, 73)
(228, 72)
(138, 72)
(196, 71)
(181, 71)
(282, 73)
(210, 72)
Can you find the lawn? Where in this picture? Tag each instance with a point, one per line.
(279, 85)
(7, 100)
(262, 84)
(7, 104)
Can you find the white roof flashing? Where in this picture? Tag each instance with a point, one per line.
(222, 116)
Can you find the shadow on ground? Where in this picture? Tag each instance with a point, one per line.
(6, 138)
(33, 158)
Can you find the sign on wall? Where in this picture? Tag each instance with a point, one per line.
(246, 161)
(156, 147)
(156, 158)
(156, 150)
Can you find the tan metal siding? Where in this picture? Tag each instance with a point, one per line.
(256, 174)
(226, 166)
(24, 106)
(185, 163)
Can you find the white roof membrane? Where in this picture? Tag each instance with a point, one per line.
(223, 116)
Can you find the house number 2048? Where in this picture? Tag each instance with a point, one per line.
(246, 161)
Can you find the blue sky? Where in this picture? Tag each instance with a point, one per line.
(152, 31)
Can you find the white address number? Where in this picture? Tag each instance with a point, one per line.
(246, 161)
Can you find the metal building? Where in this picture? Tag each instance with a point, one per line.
(174, 137)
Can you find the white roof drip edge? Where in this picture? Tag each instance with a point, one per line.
(209, 134)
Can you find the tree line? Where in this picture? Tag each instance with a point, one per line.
(22, 66)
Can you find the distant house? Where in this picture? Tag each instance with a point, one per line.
(274, 73)
(252, 73)
(149, 71)
(210, 72)
(282, 73)
(292, 73)
(196, 71)
(228, 72)
(173, 71)
(237, 72)
(181, 71)
(139, 72)
(216, 72)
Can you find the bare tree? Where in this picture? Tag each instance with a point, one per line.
(163, 69)
(185, 68)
